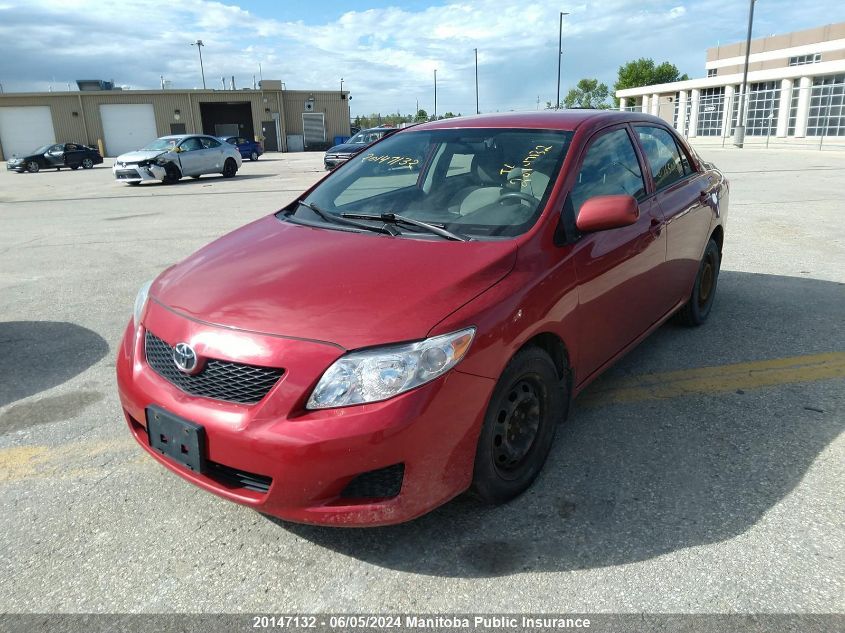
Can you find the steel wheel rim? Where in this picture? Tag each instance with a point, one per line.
(705, 286)
(517, 424)
(254, 156)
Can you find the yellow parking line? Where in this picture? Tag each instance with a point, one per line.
(719, 379)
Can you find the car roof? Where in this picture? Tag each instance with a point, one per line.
(377, 129)
(178, 137)
(565, 119)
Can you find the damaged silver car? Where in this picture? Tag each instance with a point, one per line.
(169, 158)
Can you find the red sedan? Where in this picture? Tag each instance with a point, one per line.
(416, 323)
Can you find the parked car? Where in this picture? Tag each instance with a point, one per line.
(248, 149)
(339, 154)
(169, 158)
(417, 322)
(56, 156)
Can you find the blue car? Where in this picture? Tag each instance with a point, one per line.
(248, 149)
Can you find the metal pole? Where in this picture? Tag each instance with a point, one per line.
(199, 46)
(477, 111)
(341, 86)
(559, 56)
(435, 94)
(739, 134)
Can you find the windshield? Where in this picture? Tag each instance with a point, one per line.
(474, 182)
(162, 144)
(365, 137)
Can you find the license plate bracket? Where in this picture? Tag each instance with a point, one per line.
(178, 439)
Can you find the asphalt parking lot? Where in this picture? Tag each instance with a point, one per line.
(704, 473)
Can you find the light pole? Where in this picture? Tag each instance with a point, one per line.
(559, 56)
(435, 94)
(199, 46)
(739, 132)
(341, 86)
(477, 111)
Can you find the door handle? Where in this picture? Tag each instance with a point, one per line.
(655, 226)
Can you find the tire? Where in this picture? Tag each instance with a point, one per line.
(33, 167)
(87, 163)
(171, 174)
(133, 183)
(254, 155)
(196, 177)
(230, 168)
(519, 427)
(74, 167)
(698, 306)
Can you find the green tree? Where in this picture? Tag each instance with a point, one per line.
(421, 115)
(588, 93)
(644, 72)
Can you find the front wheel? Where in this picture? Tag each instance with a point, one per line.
(171, 174)
(254, 155)
(527, 404)
(87, 163)
(230, 168)
(698, 307)
(33, 167)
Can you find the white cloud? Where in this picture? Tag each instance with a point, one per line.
(386, 56)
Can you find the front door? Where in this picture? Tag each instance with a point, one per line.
(618, 270)
(56, 155)
(191, 157)
(268, 131)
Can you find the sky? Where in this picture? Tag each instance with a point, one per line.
(385, 50)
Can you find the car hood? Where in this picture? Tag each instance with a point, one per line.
(347, 148)
(351, 289)
(139, 155)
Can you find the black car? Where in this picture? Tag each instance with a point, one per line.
(339, 154)
(73, 155)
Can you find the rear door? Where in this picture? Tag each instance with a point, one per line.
(683, 196)
(74, 154)
(619, 271)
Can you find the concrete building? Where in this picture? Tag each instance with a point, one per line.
(284, 120)
(796, 89)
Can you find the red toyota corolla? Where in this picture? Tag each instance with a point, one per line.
(415, 324)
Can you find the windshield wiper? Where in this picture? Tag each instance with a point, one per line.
(392, 218)
(336, 219)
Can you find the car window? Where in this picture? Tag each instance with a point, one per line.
(232, 140)
(57, 148)
(191, 144)
(241, 140)
(610, 167)
(208, 142)
(662, 155)
(70, 147)
(506, 175)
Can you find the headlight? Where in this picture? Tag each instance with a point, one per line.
(140, 302)
(381, 373)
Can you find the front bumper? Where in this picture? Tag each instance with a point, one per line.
(15, 166)
(310, 456)
(333, 161)
(134, 173)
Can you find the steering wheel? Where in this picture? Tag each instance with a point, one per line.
(518, 195)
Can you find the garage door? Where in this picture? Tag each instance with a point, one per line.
(127, 127)
(22, 129)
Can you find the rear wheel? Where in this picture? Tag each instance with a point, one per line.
(33, 167)
(254, 155)
(230, 168)
(87, 163)
(519, 426)
(697, 309)
(171, 174)
(74, 167)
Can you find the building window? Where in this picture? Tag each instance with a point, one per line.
(793, 109)
(762, 107)
(827, 109)
(711, 107)
(803, 60)
(711, 72)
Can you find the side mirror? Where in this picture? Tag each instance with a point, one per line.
(607, 212)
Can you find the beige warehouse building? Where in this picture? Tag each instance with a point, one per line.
(796, 89)
(123, 120)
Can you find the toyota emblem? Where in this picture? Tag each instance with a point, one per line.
(185, 357)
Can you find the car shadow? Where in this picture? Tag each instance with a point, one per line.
(39, 355)
(630, 482)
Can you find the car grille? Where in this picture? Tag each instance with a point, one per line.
(126, 173)
(229, 476)
(219, 379)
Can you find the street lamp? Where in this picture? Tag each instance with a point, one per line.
(341, 86)
(739, 132)
(477, 111)
(559, 56)
(199, 46)
(435, 94)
